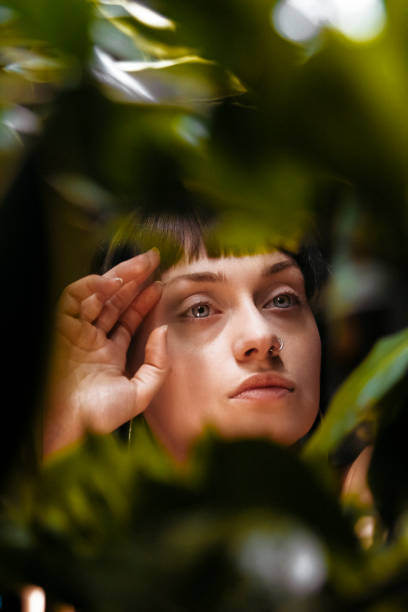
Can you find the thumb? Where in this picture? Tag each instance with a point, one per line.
(151, 375)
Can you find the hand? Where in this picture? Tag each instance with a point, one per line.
(97, 318)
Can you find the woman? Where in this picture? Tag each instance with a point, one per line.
(227, 341)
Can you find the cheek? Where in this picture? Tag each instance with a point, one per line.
(190, 360)
(195, 379)
(182, 403)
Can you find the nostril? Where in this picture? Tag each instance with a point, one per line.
(249, 352)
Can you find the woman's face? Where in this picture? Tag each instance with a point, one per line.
(223, 316)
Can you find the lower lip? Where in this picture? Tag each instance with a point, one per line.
(263, 393)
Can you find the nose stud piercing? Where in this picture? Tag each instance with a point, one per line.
(276, 347)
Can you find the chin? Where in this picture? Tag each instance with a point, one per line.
(270, 426)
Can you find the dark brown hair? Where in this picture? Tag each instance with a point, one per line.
(189, 235)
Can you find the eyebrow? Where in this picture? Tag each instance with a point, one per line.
(219, 277)
(200, 277)
(278, 266)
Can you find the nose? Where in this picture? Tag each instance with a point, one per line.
(254, 337)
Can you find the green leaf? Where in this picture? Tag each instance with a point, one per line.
(122, 520)
(64, 24)
(357, 398)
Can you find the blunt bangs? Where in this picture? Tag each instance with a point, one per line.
(188, 237)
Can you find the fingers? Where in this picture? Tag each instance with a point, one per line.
(134, 314)
(151, 375)
(84, 293)
(137, 268)
(81, 333)
(134, 272)
(101, 300)
(93, 305)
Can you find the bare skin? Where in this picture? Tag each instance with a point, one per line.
(223, 316)
(98, 384)
(97, 318)
(240, 336)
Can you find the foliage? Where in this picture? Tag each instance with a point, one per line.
(102, 112)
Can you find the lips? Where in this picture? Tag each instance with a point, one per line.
(264, 385)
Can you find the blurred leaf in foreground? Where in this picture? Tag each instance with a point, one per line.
(358, 398)
(64, 24)
(121, 521)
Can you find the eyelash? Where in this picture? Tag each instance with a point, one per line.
(197, 305)
(294, 301)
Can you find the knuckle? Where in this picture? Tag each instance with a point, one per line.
(147, 376)
(117, 302)
(68, 293)
(136, 310)
(68, 304)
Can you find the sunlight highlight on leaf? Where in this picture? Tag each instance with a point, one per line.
(160, 64)
(144, 14)
(149, 45)
(35, 68)
(22, 120)
(302, 20)
(108, 72)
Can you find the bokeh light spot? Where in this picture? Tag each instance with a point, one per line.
(286, 562)
(301, 20)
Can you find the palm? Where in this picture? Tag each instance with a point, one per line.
(92, 374)
(92, 349)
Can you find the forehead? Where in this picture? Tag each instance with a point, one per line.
(232, 266)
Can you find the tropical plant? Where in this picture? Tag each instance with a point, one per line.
(108, 106)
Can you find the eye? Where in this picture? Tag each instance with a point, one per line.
(283, 300)
(199, 311)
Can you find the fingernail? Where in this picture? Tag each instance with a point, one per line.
(118, 280)
(154, 255)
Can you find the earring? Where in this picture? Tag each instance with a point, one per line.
(276, 348)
